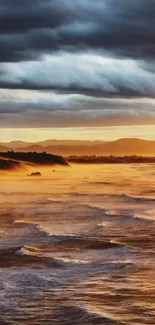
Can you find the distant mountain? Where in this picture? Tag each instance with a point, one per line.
(55, 142)
(67, 150)
(4, 148)
(127, 146)
(17, 145)
(121, 147)
(31, 148)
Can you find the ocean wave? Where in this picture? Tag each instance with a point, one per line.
(79, 244)
(127, 217)
(58, 260)
(145, 217)
(137, 198)
(112, 196)
(53, 200)
(79, 315)
(95, 206)
(66, 311)
(28, 250)
(78, 194)
(101, 183)
(41, 229)
(150, 191)
(55, 256)
(88, 195)
(26, 256)
(44, 228)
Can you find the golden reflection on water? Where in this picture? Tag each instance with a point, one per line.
(92, 205)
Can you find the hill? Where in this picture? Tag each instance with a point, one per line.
(55, 142)
(35, 158)
(12, 145)
(10, 165)
(3, 148)
(20, 145)
(32, 148)
(121, 147)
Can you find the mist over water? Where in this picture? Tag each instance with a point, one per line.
(77, 246)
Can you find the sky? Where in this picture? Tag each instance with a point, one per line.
(77, 69)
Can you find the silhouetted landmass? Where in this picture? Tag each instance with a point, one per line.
(20, 145)
(110, 159)
(9, 165)
(36, 158)
(65, 148)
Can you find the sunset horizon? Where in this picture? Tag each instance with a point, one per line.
(77, 162)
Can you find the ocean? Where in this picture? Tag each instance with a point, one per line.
(77, 246)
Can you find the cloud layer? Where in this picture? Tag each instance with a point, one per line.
(30, 28)
(33, 108)
(78, 62)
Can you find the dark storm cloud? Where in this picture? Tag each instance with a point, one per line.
(33, 27)
(22, 16)
(81, 73)
(43, 109)
(76, 53)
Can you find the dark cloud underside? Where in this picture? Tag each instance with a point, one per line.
(95, 49)
(125, 27)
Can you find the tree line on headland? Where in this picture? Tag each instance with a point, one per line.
(34, 157)
(13, 160)
(110, 159)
